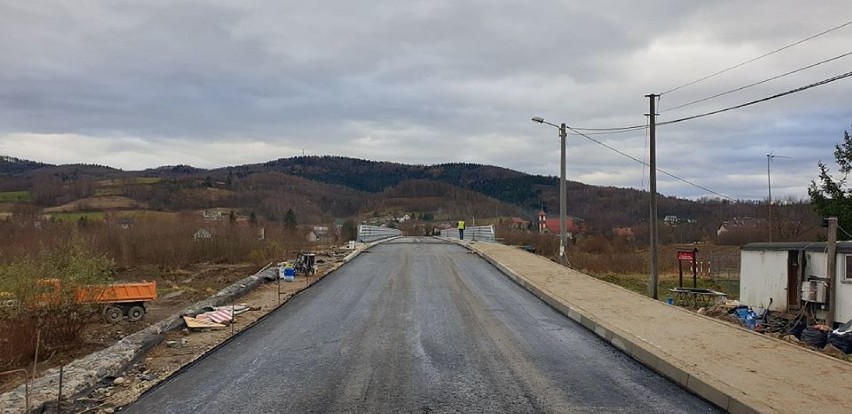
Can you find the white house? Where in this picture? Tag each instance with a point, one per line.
(795, 275)
(202, 234)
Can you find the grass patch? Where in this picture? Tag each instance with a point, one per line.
(129, 181)
(639, 284)
(148, 214)
(15, 196)
(74, 217)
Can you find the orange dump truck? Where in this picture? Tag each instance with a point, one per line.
(119, 299)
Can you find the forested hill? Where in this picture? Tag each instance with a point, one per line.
(507, 185)
(337, 186)
(14, 166)
(601, 207)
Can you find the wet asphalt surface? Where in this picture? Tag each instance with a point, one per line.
(417, 325)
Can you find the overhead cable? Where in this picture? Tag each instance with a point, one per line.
(647, 165)
(778, 95)
(758, 83)
(758, 58)
(619, 130)
(626, 129)
(603, 132)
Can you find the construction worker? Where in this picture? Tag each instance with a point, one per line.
(461, 229)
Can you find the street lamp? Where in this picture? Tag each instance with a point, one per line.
(562, 231)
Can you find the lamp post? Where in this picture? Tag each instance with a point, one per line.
(562, 223)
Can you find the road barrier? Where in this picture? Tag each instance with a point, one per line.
(368, 234)
(478, 233)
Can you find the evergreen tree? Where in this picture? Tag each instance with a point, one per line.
(290, 219)
(831, 197)
(349, 230)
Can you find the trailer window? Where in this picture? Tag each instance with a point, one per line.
(847, 276)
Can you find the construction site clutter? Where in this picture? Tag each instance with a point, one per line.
(790, 327)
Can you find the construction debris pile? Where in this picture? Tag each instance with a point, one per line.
(793, 328)
(216, 317)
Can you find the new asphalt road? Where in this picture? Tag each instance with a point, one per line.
(417, 325)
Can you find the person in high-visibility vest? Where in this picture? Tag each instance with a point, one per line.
(461, 229)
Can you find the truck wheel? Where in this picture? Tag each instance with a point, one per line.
(113, 314)
(135, 313)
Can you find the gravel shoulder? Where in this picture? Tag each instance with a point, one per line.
(164, 346)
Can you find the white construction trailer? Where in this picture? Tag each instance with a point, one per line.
(795, 275)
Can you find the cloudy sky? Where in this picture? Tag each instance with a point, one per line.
(139, 84)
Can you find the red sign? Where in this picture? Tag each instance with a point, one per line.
(690, 256)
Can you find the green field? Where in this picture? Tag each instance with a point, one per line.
(8, 196)
(129, 181)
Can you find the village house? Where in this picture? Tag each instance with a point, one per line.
(551, 225)
(520, 224)
(739, 223)
(319, 234)
(212, 215)
(202, 234)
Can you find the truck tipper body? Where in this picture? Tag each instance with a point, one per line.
(119, 299)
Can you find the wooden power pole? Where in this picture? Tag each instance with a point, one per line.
(832, 270)
(653, 181)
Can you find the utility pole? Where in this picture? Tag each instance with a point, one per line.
(832, 270)
(562, 199)
(769, 158)
(769, 182)
(652, 121)
(563, 133)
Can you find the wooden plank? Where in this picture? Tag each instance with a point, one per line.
(193, 323)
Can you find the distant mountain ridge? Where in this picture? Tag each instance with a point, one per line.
(265, 186)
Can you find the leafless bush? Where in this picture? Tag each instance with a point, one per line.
(36, 315)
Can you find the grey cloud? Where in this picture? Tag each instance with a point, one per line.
(426, 82)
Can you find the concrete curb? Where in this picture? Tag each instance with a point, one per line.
(710, 390)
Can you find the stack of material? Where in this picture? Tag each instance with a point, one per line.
(193, 323)
(216, 316)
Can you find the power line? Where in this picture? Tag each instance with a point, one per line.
(758, 83)
(758, 58)
(778, 95)
(646, 164)
(626, 129)
(616, 131)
